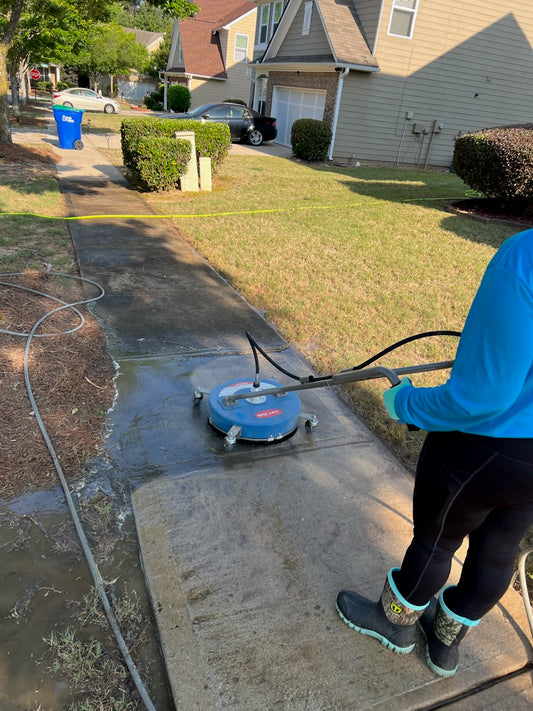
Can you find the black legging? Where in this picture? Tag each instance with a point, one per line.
(468, 485)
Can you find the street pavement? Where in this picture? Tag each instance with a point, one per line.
(244, 550)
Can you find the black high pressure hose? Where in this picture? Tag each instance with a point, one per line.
(312, 379)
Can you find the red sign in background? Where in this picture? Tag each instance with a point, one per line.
(35, 74)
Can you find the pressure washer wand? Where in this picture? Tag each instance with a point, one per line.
(346, 376)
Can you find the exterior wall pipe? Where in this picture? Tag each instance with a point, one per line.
(433, 131)
(343, 73)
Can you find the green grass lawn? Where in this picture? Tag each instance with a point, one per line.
(344, 262)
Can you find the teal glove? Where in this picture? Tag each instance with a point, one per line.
(389, 396)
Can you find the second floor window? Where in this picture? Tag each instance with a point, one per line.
(269, 17)
(402, 19)
(263, 23)
(240, 53)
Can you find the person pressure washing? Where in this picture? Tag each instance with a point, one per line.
(474, 475)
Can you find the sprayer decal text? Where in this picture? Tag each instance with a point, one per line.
(268, 413)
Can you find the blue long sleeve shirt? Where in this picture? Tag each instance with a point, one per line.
(490, 389)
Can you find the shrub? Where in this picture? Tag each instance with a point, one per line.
(154, 99)
(161, 161)
(212, 139)
(178, 98)
(133, 129)
(310, 139)
(498, 162)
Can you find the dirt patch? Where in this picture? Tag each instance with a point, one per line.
(15, 153)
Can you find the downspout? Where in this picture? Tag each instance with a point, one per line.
(343, 73)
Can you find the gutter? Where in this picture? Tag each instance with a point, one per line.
(344, 71)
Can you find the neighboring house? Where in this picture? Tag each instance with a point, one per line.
(210, 51)
(135, 86)
(397, 80)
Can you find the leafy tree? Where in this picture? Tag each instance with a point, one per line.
(81, 14)
(46, 32)
(111, 51)
(142, 16)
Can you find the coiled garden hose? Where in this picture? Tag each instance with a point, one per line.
(97, 578)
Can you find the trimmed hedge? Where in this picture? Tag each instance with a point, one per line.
(212, 139)
(310, 139)
(498, 162)
(161, 161)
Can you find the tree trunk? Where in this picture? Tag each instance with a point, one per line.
(5, 127)
(14, 79)
(5, 43)
(25, 86)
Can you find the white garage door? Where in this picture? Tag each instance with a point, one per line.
(291, 104)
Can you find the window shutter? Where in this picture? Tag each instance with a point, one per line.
(308, 12)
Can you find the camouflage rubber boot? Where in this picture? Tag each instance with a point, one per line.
(391, 620)
(444, 631)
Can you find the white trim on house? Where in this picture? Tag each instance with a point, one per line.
(326, 34)
(283, 27)
(237, 19)
(376, 37)
(344, 72)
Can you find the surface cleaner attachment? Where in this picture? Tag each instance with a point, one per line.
(263, 411)
(258, 416)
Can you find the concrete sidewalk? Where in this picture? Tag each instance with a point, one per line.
(244, 551)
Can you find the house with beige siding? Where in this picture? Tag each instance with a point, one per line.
(397, 80)
(210, 52)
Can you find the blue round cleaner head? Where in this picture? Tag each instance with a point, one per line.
(262, 418)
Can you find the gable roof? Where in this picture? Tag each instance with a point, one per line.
(150, 40)
(343, 31)
(200, 41)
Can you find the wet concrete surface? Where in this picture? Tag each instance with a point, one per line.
(244, 551)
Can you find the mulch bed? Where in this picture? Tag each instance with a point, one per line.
(72, 378)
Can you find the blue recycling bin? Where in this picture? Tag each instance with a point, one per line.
(68, 127)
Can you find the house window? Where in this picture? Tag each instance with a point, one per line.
(45, 72)
(240, 53)
(402, 19)
(276, 15)
(263, 24)
(308, 12)
(269, 17)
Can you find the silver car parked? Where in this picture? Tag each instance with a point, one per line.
(86, 99)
